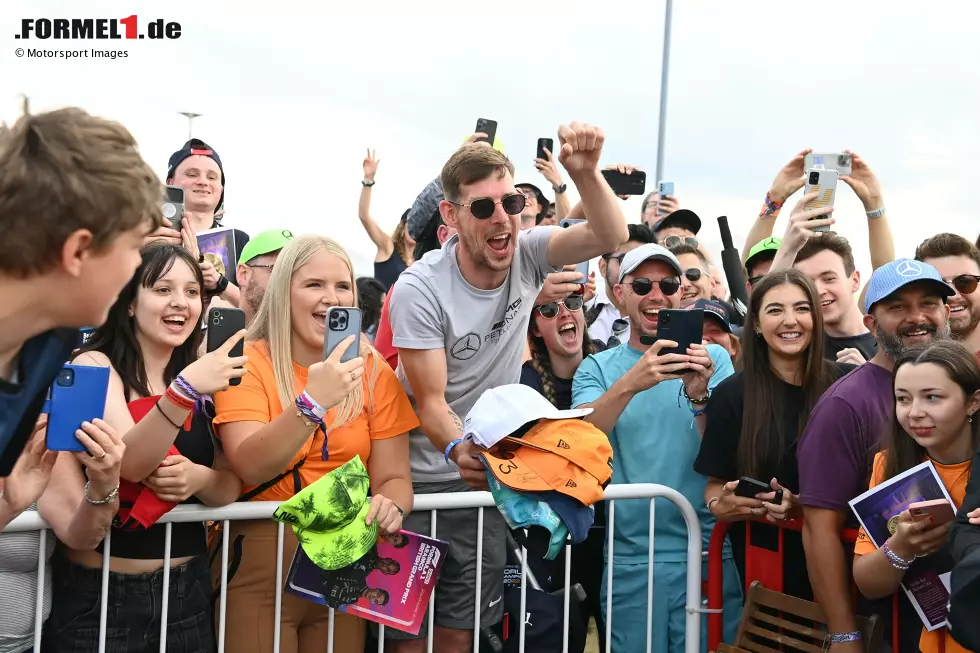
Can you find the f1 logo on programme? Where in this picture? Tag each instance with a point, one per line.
(96, 28)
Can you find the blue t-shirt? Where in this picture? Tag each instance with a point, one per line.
(655, 441)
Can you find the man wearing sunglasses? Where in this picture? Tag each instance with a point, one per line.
(696, 282)
(958, 261)
(607, 319)
(460, 319)
(651, 403)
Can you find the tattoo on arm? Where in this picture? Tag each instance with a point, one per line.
(458, 423)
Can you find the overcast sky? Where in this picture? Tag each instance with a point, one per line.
(293, 93)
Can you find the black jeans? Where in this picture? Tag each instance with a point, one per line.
(134, 610)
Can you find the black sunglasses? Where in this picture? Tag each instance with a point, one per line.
(693, 274)
(668, 286)
(613, 257)
(550, 311)
(674, 241)
(965, 283)
(484, 207)
(755, 280)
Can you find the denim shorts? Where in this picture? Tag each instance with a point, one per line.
(133, 612)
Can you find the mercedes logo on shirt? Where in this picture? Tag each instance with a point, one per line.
(909, 269)
(466, 347)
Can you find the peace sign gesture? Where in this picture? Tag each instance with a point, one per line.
(370, 165)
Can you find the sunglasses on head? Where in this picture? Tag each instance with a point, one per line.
(965, 283)
(484, 207)
(668, 285)
(550, 311)
(675, 241)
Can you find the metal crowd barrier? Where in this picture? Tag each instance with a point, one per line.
(433, 502)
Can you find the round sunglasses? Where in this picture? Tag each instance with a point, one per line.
(965, 283)
(693, 274)
(484, 207)
(674, 241)
(550, 311)
(668, 285)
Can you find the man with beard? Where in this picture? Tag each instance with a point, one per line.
(906, 306)
(958, 260)
(255, 266)
(459, 316)
(607, 319)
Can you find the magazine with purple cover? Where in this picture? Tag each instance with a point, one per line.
(390, 585)
(218, 246)
(926, 583)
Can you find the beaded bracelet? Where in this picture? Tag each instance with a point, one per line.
(896, 560)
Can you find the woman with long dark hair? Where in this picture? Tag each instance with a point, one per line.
(755, 433)
(157, 390)
(559, 341)
(937, 396)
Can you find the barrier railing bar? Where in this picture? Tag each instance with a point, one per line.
(653, 505)
(568, 591)
(523, 627)
(611, 525)
(432, 596)
(277, 628)
(165, 603)
(42, 559)
(330, 631)
(104, 600)
(479, 579)
(225, 535)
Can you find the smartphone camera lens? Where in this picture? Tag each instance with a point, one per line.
(844, 160)
(215, 321)
(338, 320)
(66, 378)
(814, 178)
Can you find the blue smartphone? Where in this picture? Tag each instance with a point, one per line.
(342, 323)
(77, 395)
(664, 188)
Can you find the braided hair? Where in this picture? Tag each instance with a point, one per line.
(541, 360)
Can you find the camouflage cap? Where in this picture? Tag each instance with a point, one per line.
(329, 517)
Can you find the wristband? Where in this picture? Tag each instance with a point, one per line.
(877, 213)
(178, 399)
(367, 183)
(840, 638)
(310, 409)
(186, 389)
(451, 446)
(770, 209)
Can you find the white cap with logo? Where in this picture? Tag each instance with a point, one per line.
(648, 252)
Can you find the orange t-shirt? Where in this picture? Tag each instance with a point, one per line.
(256, 399)
(954, 478)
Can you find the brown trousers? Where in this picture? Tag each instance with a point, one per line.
(251, 603)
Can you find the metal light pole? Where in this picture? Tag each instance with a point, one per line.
(190, 120)
(664, 70)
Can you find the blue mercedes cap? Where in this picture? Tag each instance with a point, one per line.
(893, 276)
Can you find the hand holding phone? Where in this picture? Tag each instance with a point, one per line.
(626, 183)
(824, 184)
(215, 370)
(488, 127)
(939, 511)
(78, 395)
(173, 206)
(223, 324)
(545, 145)
(331, 380)
(805, 222)
(916, 536)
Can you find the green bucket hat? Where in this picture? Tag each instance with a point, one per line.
(329, 517)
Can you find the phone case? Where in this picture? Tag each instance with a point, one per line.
(223, 323)
(632, 184)
(749, 487)
(488, 127)
(940, 509)
(685, 327)
(569, 222)
(77, 395)
(342, 323)
(839, 161)
(545, 143)
(665, 188)
(173, 207)
(583, 269)
(826, 186)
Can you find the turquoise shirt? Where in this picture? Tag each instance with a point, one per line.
(655, 441)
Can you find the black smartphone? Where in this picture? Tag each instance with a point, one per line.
(749, 487)
(223, 323)
(488, 127)
(545, 144)
(342, 323)
(685, 327)
(173, 207)
(632, 184)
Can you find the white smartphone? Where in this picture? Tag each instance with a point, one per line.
(825, 183)
(839, 161)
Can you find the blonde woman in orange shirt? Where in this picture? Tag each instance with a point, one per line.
(937, 396)
(296, 417)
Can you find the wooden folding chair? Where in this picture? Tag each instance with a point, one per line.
(765, 629)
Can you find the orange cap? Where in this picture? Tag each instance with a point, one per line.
(576, 441)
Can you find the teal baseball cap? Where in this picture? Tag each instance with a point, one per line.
(265, 242)
(546, 533)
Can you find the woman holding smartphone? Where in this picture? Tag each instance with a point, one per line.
(755, 434)
(937, 396)
(297, 416)
(149, 342)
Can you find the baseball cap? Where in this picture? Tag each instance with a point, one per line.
(680, 218)
(265, 242)
(543, 460)
(577, 517)
(546, 533)
(329, 516)
(503, 410)
(424, 207)
(893, 276)
(542, 200)
(650, 251)
(765, 247)
(190, 148)
(716, 310)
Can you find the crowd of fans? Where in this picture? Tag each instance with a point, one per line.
(828, 385)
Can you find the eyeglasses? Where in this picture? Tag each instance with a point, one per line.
(675, 241)
(965, 283)
(755, 280)
(484, 207)
(693, 274)
(550, 311)
(267, 266)
(613, 257)
(668, 285)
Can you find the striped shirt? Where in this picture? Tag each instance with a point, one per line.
(18, 587)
